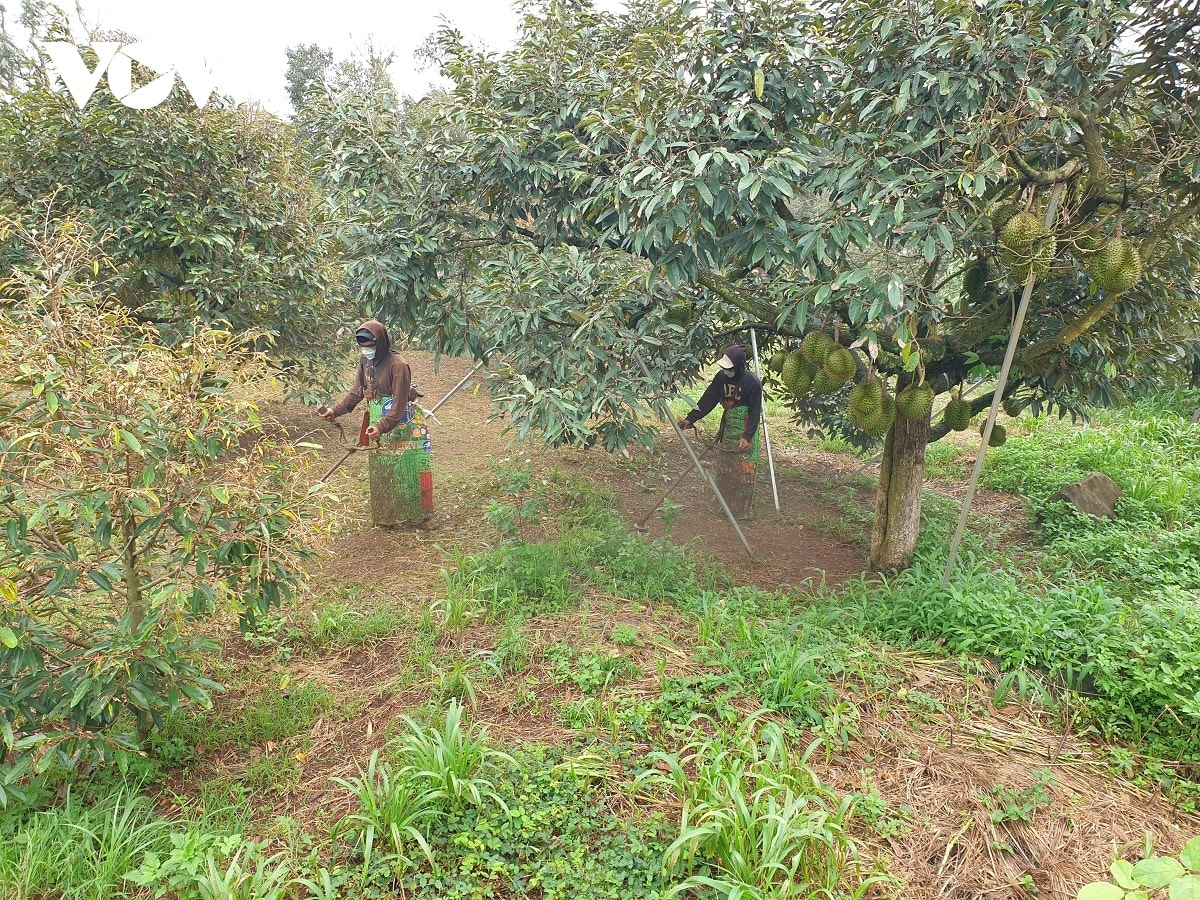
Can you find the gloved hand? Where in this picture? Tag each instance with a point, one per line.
(685, 424)
(745, 444)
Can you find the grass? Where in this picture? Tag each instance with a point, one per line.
(678, 756)
(77, 850)
(271, 715)
(352, 622)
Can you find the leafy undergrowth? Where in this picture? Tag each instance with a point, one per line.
(595, 715)
(1109, 621)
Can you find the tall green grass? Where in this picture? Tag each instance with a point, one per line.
(80, 850)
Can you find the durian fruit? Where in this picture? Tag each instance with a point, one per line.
(777, 361)
(975, 279)
(797, 373)
(915, 401)
(1116, 266)
(816, 346)
(957, 415)
(1036, 262)
(839, 365)
(1089, 242)
(866, 397)
(1013, 406)
(871, 409)
(824, 382)
(887, 415)
(1002, 214)
(681, 314)
(999, 434)
(874, 419)
(1029, 247)
(1020, 231)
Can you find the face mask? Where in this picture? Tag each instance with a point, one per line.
(368, 352)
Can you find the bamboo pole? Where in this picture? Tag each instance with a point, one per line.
(766, 434)
(998, 395)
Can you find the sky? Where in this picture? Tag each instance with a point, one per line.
(244, 42)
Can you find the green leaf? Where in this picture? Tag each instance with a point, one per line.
(1122, 873)
(220, 492)
(1158, 871)
(1185, 888)
(8, 637)
(1190, 855)
(1100, 890)
(132, 441)
(101, 579)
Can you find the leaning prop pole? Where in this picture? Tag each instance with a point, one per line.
(766, 433)
(704, 473)
(1013, 339)
(454, 390)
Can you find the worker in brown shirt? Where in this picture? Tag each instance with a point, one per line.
(382, 374)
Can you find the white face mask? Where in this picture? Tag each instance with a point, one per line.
(368, 352)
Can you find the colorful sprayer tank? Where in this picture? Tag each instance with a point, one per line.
(400, 469)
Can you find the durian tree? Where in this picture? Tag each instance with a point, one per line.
(206, 215)
(867, 184)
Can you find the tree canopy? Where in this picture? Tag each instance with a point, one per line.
(205, 214)
(139, 495)
(307, 65)
(841, 167)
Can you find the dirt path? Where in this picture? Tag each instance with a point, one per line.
(810, 540)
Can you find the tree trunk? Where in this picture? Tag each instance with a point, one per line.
(898, 497)
(134, 603)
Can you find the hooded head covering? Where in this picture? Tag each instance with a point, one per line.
(734, 361)
(382, 343)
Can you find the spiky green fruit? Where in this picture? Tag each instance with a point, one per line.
(957, 415)
(877, 424)
(1116, 266)
(1019, 233)
(866, 397)
(839, 364)
(915, 401)
(825, 383)
(777, 361)
(681, 314)
(1036, 261)
(1002, 215)
(1013, 406)
(999, 434)
(797, 373)
(1029, 247)
(1089, 242)
(816, 346)
(975, 279)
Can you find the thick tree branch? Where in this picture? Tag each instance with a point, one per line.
(1065, 172)
(1099, 172)
(735, 296)
(1070, 333)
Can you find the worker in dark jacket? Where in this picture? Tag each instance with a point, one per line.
(382, 374)
(398, 466)
(739, 391)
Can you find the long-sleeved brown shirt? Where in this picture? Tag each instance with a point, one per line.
(387, 375)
